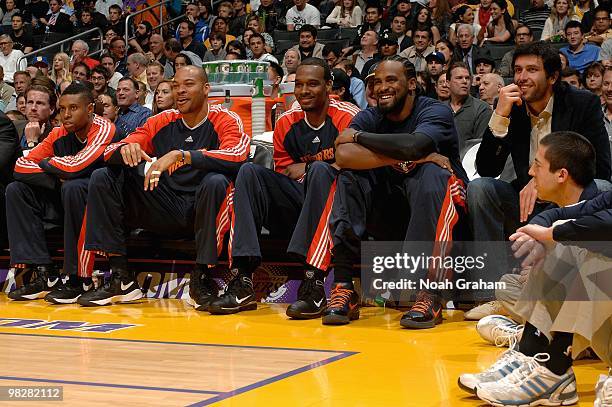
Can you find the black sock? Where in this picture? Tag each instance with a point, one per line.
(246, 265)
(560, 353)
(86, 280)
(118, 263)
(532, 341)
(343, 260)
(318, 274)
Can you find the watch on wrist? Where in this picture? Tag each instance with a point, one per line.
(32, 144)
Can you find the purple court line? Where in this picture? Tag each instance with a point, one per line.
(118, 386)
(261, 383)
(218, 395)
(218, 345)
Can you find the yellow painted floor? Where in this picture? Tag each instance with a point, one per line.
(177, 356)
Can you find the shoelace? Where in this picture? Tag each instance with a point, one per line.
(339, 296)
(502, 361)
(506, 334)
(522, 373)
(423, 303)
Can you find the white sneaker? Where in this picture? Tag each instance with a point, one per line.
(603, 391)
(499, 330)
(531, 384)
(484, 310)
(505, 364)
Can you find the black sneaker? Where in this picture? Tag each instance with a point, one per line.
(238, 296)
(44, 280)
(343, 306)
(202, 290)
(121, 287)
(425, 313)
(311, 300)
(68, 293)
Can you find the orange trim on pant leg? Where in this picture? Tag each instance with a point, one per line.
(319, 252)
(455, 195)
(223, 220)
(86, 258)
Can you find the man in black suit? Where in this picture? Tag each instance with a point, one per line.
(56, 21)
(466, 51)
(536, 104)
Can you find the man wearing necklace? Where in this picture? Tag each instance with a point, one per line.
(185, 192)
(293, 200)
(50, 184)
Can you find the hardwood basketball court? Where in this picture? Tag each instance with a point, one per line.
(164, 353)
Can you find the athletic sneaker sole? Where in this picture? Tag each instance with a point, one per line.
(542, 402)
(293, 314)
(335, 319)
(410, 324)
(62, 300)
(234, 310)
(132, 296)
(30, 297)
(571, 399)
(466, 388)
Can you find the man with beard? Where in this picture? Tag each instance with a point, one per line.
(536, 104)
(200, 148)
(51, 184)
(389, 190)
(143, 34)
(294, 199)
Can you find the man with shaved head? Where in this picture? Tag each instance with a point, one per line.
(490, 84)
(184, 193)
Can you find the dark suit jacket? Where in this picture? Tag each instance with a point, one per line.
(9, 149)
(573, 110)
(62, 25)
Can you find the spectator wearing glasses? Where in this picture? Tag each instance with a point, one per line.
(10, 58)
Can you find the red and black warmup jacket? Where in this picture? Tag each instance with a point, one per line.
(296, 141)
(217, 144)
(61, 155)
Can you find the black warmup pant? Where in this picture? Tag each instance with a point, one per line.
(287, 208)
(29, 208)
(119, 203)
(388, 205)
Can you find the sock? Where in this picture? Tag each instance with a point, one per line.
(318, 274)
(560, 349)
(118, 263)
(532, 341)
(51, 271)
(86, 280)
(246, 265)
(343, 264)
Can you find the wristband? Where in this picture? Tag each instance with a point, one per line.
(182, 160)
(355, 135)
